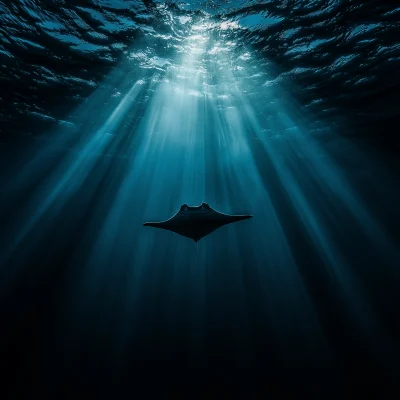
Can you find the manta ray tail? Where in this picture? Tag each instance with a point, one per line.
(236, 218)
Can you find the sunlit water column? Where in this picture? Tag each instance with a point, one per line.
(259, 249)
(165, 169)
(192, 146)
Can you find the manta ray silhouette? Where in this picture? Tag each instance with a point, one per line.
(196, 222)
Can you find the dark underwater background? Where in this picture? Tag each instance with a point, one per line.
(114, 113)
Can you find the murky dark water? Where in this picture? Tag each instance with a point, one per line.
(114, 113)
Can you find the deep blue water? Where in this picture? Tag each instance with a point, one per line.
(114, 113)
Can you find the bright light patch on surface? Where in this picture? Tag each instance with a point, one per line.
(229, 25)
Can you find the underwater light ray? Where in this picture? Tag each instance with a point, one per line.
(156, 158)
(231, 158)
(321, 167)
(361, 309)
(271, 259)
(67, 134)
(70, 174)
(322, 170)
(364, 312)
(330, 178)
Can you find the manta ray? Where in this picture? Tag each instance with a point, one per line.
(196, 222)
